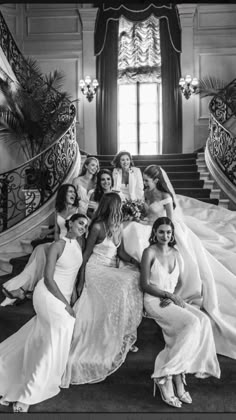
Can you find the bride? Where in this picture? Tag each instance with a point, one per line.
(205, 236)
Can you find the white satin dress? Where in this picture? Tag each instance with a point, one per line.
(108, 313)
(34, 269)
(206, 239)
(33, 359)
(189, 342)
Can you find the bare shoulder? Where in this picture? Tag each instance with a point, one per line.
(165, 195)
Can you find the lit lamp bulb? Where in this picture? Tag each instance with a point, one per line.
(195, 81)
(87, 80)
(188, 79)
(81, 84)
(95, 83)
(181, 81)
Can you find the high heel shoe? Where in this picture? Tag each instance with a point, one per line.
(19, 407)
(185, 397)
(173, 400)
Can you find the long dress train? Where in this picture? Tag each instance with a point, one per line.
(33, 359)
(107, 316)
(206, 239)
(189, 342)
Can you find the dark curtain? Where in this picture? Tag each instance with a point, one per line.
(171, 95)
(106, 51)
(107, 70)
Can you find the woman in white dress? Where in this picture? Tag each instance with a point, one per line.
(86, 182)
(128, 180)
(104, 185)
(109, 309)
(33, 359)
(19, 287)
(207, 243)
(189, 342)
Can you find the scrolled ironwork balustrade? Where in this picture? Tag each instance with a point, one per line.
(221, 142)
(26, 188)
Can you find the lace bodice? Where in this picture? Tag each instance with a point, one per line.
(104, 253)
(162, 279)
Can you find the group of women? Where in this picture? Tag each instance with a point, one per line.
(176, 266)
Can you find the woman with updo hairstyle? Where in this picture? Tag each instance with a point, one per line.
(128, 180)
(187, 331)
(110, 306)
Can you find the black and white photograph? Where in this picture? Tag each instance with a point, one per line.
(118, 208)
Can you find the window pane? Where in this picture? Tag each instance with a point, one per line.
(148, 92)
(148, 113)
(148, 132)
(127, 114)
(130, 147)
(127, 94)
(148, 148)
(128, 133)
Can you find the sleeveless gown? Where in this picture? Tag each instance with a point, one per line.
(205, 236)
(34, 269)
(33, 359)
(107, 316)
(189, 342)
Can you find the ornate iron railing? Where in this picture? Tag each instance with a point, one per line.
(26, 188)
(221, 142)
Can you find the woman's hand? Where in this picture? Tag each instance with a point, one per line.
(71, 311)
(177, 300)
(165, 302)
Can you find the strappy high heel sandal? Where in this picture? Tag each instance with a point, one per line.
(185, 397)
(17, 300)
(173, 400)
(19, 407)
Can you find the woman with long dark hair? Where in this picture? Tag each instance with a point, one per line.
(21, 286)
(189, 342)
(104, 185)
(109, 309)
(205, 236)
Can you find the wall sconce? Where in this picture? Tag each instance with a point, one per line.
(88, 87)
(188, 85)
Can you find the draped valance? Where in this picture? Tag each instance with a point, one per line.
(136, 12)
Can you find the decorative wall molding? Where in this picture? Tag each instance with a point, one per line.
(52, 26)
(88, 17)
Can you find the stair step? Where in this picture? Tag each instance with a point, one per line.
(7, 258)
(224, 202)
(215, 193)
(187, 183)
(208, 183)
(160, 162)
(194, 192)
(209, 200)
(152, 157)
(167, 168)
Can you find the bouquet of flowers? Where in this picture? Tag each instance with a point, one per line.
(133, 210)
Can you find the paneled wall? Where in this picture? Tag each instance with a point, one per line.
(214, 54)
(59, 39)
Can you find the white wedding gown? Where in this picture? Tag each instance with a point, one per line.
(108, 313)
(206, 238)
(33, 359)
(34, 269)
(189, 342)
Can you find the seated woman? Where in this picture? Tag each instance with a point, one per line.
(208, 248)
(109, 309)
(104, 185)
(33, 359)
(86, 182)
(128, 180)
(17, 288)
(187, 331)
